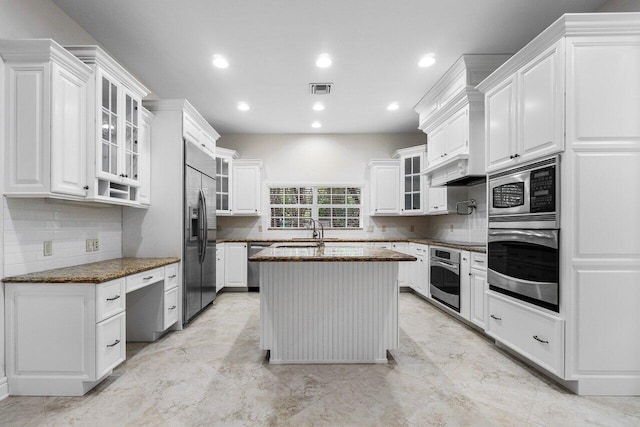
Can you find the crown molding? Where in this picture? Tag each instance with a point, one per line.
(184, 106)
(96, 56)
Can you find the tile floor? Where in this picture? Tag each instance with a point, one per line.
(213, 373)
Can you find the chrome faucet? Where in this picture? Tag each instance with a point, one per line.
(319, 237)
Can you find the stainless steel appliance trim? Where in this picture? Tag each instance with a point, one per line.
(439, 294)
(547, 238)
(528, 167)
(543, 291)
(455, 254)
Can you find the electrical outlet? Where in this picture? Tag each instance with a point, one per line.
(450, 227)
(47, 248)
(369, 228)
(259, 229)
(412, 228)
(89, 245)
(383, 228)
(96, 245)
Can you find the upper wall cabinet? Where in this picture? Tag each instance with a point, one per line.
(224, 180)
(246, 184)
(452, 116)
(412, 190)
(114, 125)
(384, 187)
(525, 112)
(46, 114)
(144, 165)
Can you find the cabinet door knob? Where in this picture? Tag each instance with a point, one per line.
(86, 187)
(511, 157)
(516, 155)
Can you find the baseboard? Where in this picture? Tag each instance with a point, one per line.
(4, 388)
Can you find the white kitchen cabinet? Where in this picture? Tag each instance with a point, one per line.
(113, 118)
(84, 337)
(220, 249)
(46, 107)
(224, 180)
(419, 270)
(465, 284)
(404, 268)
(171, 292)
(235, 265)
(442, 200)
(452, 115)
(477, 288)
(246, 187)
(583, 71)
(537, 335)
(411, 183)
(525, 113)
(384, 187)
(144, 163)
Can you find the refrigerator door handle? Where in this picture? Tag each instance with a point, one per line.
(205, 225)
(200, 227)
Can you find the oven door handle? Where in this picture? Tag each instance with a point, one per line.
(547, 238)
(451, 267)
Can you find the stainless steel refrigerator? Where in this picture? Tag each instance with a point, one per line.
(199, 231)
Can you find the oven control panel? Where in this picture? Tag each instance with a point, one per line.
(542, 190)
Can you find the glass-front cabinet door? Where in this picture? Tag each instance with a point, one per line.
(223, 202)
(110, 126)
(412, 184)
(131, 146)
(119, 149)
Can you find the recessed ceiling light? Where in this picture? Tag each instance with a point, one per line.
(243, 106)
(219, 61)
(316, 125)
(318, 106)
(427, 61)
(393, 106)
(324, 61)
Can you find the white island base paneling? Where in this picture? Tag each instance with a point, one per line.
(328, 312)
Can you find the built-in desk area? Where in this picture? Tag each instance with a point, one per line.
(66, 329)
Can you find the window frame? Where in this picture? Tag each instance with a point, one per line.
(314, 208)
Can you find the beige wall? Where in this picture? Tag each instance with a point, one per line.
(620, 6)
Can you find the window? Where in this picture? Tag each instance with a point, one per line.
(334, 207)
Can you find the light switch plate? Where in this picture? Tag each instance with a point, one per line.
(96, 245)
(47, 248)
(89, 245)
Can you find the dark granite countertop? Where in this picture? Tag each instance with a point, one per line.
(303, 252)
(463, 246)
(95, 272)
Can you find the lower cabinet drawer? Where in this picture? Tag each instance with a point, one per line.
(170, 276)
(537, 335)
(110, 344)
(170, 307)
(479, 261)
(110, 299)
(140, 280)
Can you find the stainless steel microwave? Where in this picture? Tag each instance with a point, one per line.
(526, 197)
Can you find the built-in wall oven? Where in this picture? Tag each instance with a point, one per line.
(445, 277)
(524, 234)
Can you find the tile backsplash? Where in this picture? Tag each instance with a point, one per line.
(28, 223)
(467, 228)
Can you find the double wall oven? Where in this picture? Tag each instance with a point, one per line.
(523, 241)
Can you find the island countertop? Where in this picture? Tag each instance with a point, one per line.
(304, 252)
(95, 272)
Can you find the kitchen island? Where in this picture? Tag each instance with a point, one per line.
(328, 304)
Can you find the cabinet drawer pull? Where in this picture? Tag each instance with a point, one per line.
(113, 298)
(172, 307)
(173, 276)
(115, 343)
(86, 187)
(147, 278)
(496, 317)
(535, 337)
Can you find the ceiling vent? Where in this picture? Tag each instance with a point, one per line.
(320, 88)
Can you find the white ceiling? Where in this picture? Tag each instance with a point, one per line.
(272, 46)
